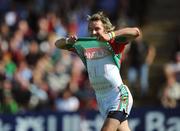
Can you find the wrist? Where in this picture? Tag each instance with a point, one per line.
(111, 35)
(67, 40)
(138, 31)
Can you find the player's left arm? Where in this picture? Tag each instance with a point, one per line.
(129, 33)
(124, 35)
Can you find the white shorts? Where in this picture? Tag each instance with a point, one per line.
(118, 99)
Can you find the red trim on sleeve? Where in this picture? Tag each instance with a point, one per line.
(117, 47)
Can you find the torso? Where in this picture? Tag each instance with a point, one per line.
(103, 72)
(104, 76)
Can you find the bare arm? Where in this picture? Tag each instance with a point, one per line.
(63, 42)
(129, 33)
(151, 55)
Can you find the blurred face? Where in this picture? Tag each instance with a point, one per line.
(96, 28)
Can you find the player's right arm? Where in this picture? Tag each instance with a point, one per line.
(66, 43)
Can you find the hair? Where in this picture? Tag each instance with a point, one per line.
(105, 20)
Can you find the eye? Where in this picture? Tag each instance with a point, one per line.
(97, 28)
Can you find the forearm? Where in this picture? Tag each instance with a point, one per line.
(61, 43)
(129, 33)
(66, 43)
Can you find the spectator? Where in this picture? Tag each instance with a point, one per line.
(33, 54)
(56, 25)
(67, 101)
(9, 66)
(43, 29)
(23, 74)
(7, 103)
(140, 57)
(85, 93)
(5, 32)
(171, 93)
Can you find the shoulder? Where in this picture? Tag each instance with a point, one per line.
(117, 47)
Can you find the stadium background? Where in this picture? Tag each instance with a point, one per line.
(45, 85)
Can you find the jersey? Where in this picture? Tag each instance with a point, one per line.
(98, 58)
(103, 66)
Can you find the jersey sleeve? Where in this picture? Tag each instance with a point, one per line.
(118, 44)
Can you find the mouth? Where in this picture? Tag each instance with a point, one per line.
(94, 35)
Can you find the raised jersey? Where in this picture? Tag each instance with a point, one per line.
(98, 58)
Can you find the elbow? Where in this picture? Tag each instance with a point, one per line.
(137, 32)
(56, 44)
(59, 43)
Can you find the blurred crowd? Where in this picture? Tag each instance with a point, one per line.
(36, 76)
(170, 94)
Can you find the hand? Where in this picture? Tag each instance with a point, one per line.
(72, 39)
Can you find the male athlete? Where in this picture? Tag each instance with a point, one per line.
(103, 65)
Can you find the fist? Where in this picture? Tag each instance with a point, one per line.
(72, 39)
